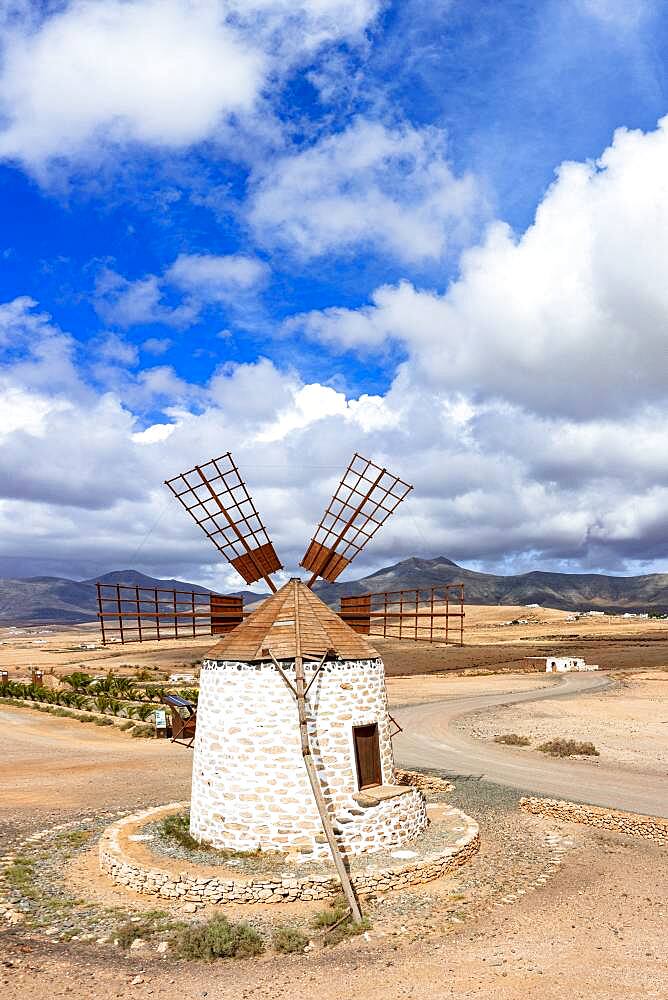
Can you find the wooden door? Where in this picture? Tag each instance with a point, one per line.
(367, 755)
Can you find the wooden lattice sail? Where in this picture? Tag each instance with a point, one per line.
(217, 499)
(366, 496)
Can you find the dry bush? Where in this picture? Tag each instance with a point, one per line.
(512, 740)
(289, 939)
(218, 938)
(568, 748)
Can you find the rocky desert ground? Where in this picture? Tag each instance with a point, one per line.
(547, 909)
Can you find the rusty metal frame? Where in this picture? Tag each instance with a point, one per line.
(419, 615)
(217, 499)
(129, 613)
(364, 499)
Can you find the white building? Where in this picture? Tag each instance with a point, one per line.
(250, 788)
(563, 664)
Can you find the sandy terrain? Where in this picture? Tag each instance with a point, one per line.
(491, 643)
(594, 929)
(437, 687)
(628, 724)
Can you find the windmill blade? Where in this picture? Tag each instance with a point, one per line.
(216, 497)
(364, 499)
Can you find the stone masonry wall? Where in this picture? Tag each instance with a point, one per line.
(125, 871)
(250, 787)
(653, 828)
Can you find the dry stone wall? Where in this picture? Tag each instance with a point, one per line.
(250, 788)
(653, 828)
(126, 871)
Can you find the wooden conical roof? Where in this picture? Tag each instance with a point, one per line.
(293, 621)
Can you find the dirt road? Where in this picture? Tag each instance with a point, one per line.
(57, 768)
(430, 741)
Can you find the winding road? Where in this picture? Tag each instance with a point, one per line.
(429, 740)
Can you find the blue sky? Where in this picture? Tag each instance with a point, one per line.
(430, 232)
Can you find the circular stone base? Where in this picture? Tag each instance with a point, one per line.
(451, 840)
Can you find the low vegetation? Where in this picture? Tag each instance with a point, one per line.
(289, 939)
(150, 924)
(177, 829)
(218, 938)
(512, 740)
(336, 922)
(568, 748)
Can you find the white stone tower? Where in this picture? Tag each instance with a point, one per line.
(250, 788)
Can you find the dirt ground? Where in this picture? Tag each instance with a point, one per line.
(597, 930)
(492, 642)
(593, 925)
(627, 724)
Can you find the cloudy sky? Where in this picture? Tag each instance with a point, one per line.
(433, 231)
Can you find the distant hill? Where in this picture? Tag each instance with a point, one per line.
(570, 591)
(50, 599)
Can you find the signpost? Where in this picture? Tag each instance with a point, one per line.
(160, 716)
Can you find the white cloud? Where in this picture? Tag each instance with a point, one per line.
(492, 481)
(570, 318)
(132, 303)
(390, 187)
(153, 434)
(202, 279)
(114, 349)
(214, 279)
(93, 74)
(156, 345)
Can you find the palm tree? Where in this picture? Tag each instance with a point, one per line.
(78, 681)
(102, 702)
(142, 712)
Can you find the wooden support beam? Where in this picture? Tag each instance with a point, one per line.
(312, 773)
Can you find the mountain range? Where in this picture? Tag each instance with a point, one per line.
(47, 599)
(568, 591)
(53, 599)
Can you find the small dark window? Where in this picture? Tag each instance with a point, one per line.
(367, 755)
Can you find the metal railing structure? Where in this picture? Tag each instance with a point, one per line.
(429, 614)
(130, 613)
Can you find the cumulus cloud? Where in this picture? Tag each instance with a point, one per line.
(87, 75)
(529, 411)
(202, 279)
(370, 185)
(215, 279)
(570, 318)
(492, 481)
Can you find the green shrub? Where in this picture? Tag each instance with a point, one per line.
(513, 740)
(349, 928)
(218, 938)
(126, 725)
(335, 911)
(289, 939)
(103, 722)
(568, 748)
(177, 828)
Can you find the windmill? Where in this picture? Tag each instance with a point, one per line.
(248, 788)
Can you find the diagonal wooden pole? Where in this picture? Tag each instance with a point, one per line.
(312, 773)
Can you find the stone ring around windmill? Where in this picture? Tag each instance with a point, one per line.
(293, 742)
